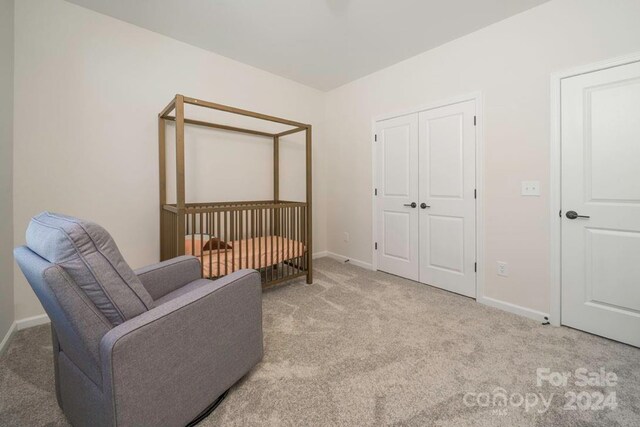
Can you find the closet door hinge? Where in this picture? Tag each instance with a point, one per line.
(375, 192)
(475, 193)
(376, 245)
(475, 267)
(474, 120)
(375, 138)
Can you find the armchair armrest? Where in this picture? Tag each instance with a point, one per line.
(168, 364)
(167, 276)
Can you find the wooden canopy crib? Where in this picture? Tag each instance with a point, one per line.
(271, 236)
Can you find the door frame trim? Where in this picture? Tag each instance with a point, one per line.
(555, 182)
(473, 96)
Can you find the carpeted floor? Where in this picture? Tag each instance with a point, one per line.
(367, 348)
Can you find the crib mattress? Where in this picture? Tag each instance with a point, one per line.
(256, 253)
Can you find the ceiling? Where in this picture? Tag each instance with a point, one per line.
(320, 43)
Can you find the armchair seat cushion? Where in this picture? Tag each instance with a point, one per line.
(196, 284)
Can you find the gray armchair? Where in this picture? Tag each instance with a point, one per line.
(153, 347)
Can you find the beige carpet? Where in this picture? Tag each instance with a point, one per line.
(365, 348)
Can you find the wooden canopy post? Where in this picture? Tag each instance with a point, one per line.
(162, 159)
(276, 168)
(276, 182)
(309, 210)
(180, 185)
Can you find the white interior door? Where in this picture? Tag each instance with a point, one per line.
(397, 170)
(447, 198)
(601, 181)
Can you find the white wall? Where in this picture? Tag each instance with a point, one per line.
(88, 89)
(6, 166)
(511, 63)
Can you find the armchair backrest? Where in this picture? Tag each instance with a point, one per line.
(83, 283)
(88, 254)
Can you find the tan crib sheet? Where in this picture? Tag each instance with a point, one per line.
(258, 252)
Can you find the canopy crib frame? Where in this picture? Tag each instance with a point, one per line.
(272, 236)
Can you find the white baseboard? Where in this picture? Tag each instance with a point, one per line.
(513, 308)
(7, 338)
(21, 324)
(492, 302)
(338, 257)
(320, 254)
(356, 262)
(30, 322)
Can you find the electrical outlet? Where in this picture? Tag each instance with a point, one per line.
(346, 237)
(530, 188)
(502, 269)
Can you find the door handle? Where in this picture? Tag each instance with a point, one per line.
(424, 205)
(412, 204)
(574, 215)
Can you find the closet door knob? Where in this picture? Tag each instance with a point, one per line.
(424, 205)
(412, 204)
(574, 215)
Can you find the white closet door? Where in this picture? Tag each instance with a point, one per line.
(447, 201)
(601, 182)
(397, 168)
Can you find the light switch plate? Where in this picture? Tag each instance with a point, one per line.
(530, 188)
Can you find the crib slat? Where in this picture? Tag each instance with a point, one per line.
(297, 236)
(246, 236)
(285, 246)
(237, 223)
(262, 238)
(188, 221)
(201, 248)
(253, 239)
(212, 227)
(289, 235)
(267, 241)
(258, 231)
(300, 252)
(274, 239)
(226, 239)
(293, 238)
(285, 242)
(303, 230)
(219, 236)
(294, 243)
(280, 242)
(271, 233)
(306, 239)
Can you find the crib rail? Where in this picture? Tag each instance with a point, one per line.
(268, 236)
